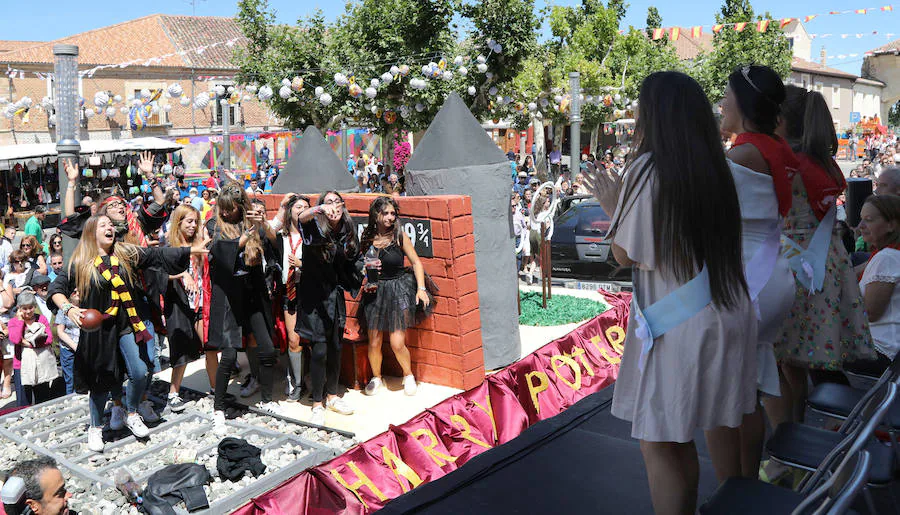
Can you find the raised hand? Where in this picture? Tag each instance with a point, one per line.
(201, 247)
(145, 165)
(604, 186)
(72, 171)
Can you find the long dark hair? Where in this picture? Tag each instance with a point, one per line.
(344, 234)
(371, 230)
(290, 222)
(810, 130)
(759, 92)
(696, 213)
(234, 197)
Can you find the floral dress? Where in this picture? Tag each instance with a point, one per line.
(829, 328)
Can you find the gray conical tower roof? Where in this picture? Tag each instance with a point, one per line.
(454, 139)
(313, 167)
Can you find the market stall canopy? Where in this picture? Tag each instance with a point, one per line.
(313, 167)
(38, 150)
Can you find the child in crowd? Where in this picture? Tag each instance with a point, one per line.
(68, 333)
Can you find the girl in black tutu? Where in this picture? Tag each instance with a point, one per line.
(399, 298)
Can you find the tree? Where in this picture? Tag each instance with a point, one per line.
(654, 20)
(732, 49)
(894, 115)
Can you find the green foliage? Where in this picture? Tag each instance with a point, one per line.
(732, 49)
(894, 115)
(561, 309)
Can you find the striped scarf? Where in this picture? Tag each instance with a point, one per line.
(109, 269)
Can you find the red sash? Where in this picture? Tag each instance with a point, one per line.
(781, 160)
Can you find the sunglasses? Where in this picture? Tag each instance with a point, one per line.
(16, 261)
(26, 245)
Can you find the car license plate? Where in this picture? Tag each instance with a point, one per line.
(594, 286)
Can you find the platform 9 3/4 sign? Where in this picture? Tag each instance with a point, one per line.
(418, 231)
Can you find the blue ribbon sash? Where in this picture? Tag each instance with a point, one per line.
(809, 264)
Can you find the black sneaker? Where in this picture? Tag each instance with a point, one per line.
(176, 404)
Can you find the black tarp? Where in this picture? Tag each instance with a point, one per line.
(313, 167)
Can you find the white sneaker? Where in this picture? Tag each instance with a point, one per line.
(318, 415)
(373, 387)
(95, 438)
(339, 405)
(409, 385)
(250, 388)
(136, 426)
(117, 418)
(269, 407)
(146, 411)
(219, 426)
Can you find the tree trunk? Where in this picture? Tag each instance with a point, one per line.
(540, 158)
(387, 150)
(595, 140)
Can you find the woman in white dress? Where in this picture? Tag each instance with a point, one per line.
(763, 166)
(677, 219)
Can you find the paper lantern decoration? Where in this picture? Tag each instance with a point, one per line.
(498, 48)
(138, 118)
(532, 107)
(355, 90)
(404, 70)
(175, 90)
(426, 69)
(202, 101)
(184, 101)
(51, 120)
(447, 75)
(123, 110)
(246, 98)
(286, 82)
(101, 99)
(371, 92)
(463, 71)
(458, 61)
(492, 91)
(137, 102)
(618, 97)
(480, 59)
(89, 113)
(489, 75)
(285, 92)
(167, 107)
(145, 93)
(420, 107)
(325, 99)
(3, 101)
(252, 89)
(390, 117)
(481, 67)
(375, 111)
(607, 101)
(110, 112)
(387, 78)
(374, 83)
(297, 84)
(472, 90)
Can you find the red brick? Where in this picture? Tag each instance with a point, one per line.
(472, 378)
(433, 340)
(471, 340)
(466, 284)
(435, 267)
(358, 204)
(440, 230)
(471, 321)
(473, 360)
(460, 206)
(438, 210)
(461, 226)
(426, 325)
(440, 375)
(464, 245)
(446, 286)
(423, 356)
(446, 324)
(413, 207)
(447, 307)
(441, 249)
(468, 302)
(464, 265)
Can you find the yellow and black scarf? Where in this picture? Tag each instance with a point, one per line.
(109, 269)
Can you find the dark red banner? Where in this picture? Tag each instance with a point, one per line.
(444, 437)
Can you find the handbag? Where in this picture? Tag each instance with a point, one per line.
(94, 160)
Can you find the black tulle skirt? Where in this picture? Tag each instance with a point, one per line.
(393, 307)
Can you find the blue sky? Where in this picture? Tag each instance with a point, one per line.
(73, 17)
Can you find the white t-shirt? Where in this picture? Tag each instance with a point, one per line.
(296, 239)
(885, 268)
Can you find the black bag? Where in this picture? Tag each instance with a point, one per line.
(175, 483)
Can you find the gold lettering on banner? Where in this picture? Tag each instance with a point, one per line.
(361, 480)
(440, 458)
(466, 429)
(400, 468)
(615, 335)
(615, 360)
(537, 388)
(555, 362)
(578, 352)
(490, 412)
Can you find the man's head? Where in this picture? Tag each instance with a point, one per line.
(192, 192)
(523, 178)
(888, 181)
(56, 262)
(40, 283)
(40, 211)
(10, 233)
(45, 488)
(254, 184)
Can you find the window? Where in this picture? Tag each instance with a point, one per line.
(234, 114)
(818, 87)
(153, 119)
(835, 96)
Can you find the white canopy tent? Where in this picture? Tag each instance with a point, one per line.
(39, 150)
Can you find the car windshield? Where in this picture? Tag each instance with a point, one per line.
(592, 218)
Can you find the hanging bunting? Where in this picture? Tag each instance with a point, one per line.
(762, 25)
(696, 32)
(718, 28)
(807, 19)
(658, 34)
(887, 8)
(675, 33)
(739, 27)
(860, 11)
(785, 22)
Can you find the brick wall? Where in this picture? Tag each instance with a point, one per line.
(446, 348)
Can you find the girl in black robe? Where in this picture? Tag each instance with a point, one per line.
(107, 276)
(332, 264)
(239, 303)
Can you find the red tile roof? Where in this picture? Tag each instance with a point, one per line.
(688, 48)
(8, 46)
(145, 38)
(892, 46)
(802, 65)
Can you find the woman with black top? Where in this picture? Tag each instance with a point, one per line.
(239, 303)
(106, 274)
(332, 264)
(391, 304)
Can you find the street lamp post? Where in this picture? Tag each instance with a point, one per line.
(65, 93)
(575, 123)
(226, 131)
